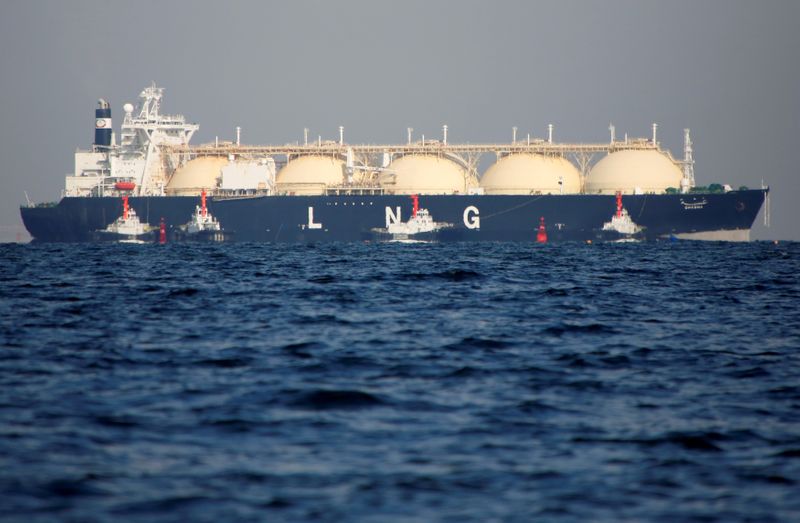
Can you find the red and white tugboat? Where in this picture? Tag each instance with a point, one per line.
(127, 228)
(622, 228)
(203, 226)
(419, 228)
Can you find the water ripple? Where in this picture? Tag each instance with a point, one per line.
(384, 382)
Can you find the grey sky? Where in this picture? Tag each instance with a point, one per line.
(726, 69)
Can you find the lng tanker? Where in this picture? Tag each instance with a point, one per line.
(628, 189)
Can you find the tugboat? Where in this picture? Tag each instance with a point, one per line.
(127, 228)
(419, 228)
(203, 226)
(622, 228)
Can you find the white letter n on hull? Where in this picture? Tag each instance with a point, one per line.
(391, 217)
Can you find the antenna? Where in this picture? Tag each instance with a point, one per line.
(688, 162)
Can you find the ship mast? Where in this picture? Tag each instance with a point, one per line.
(144, 136)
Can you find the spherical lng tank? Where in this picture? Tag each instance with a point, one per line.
(195, 175)
(425, 174)
(531, 174)
(310, 175)
(633, 171)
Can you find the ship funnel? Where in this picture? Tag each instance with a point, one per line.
(102, 124)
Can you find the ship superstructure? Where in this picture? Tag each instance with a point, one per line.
(136, 166)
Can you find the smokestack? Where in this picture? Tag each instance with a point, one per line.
(549, 133)
(444, 134)
(341, 135)
(655, 129)
(238, 135)
(514, 134)
(102, 124)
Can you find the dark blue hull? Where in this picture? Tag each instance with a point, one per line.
(354, 218)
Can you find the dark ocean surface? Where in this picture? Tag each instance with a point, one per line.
(390, 382)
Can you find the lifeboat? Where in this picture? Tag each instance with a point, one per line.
(124, 186)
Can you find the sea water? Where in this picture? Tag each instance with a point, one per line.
(397, 382)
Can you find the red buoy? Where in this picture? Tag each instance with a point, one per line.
(541, 234)
(162, 232)
(415, 200)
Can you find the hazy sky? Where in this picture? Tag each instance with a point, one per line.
(727, 69)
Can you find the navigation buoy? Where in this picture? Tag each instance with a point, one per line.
(541, 234)
(162, 232)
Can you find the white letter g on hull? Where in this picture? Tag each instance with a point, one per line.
(472, 219)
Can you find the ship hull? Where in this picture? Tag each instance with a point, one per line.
(107, 236)
(205, 236)
(476, 217)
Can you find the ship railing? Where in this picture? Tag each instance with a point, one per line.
(354, 190)
(239, 193)
(418, 148)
